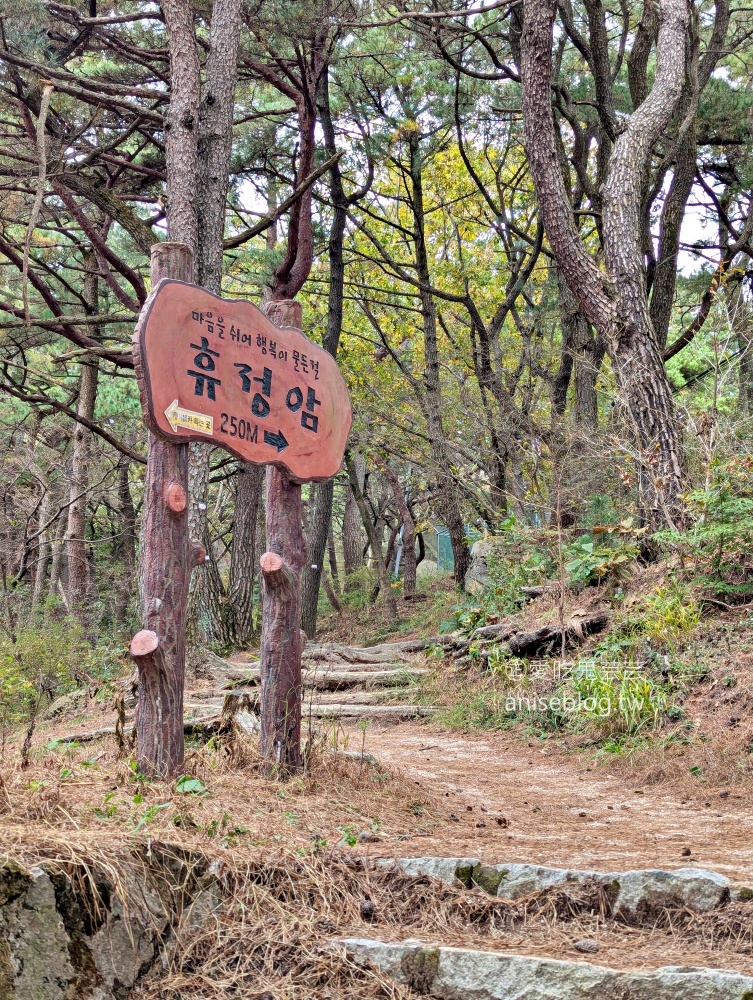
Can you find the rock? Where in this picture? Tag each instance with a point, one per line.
(587, 945)
(521, 879)
(359, 755)
(637, 894)
(66, 704)
(14, 880)
(477, 578)
(368, 837)
(643, 893)
(36, 964)
(247, 723)
(84, 938)
(488, 877)
(444, 869)
(427, 568)
(454, 973)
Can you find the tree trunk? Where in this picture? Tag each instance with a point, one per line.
(281, 636)
(383, 576)
(215, 139)
(332, 556)
(582, 355)
(181, 127)
(321, 515)
(742, 324)
(207, 615)
(164, 575)
(409, 533)
(318, 530)
(447, 493)
(78, 563)
(620, 309)
(248, 487)
(58, 552)
(127, 546)
(206, 622)
(352, 530)
(44, 549)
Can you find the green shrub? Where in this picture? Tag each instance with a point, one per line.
(521, 557)
(670, 612)
(621, 701)
(717, 549)
(42, 657)
(604, 552)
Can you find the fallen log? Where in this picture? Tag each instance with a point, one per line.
(549, 639)
(544, 588)
(498, 632)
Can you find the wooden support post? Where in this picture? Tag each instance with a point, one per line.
(166, 561)
(281, 638)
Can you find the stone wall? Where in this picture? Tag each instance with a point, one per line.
(79, 932)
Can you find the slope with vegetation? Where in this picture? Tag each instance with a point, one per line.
(524, 231)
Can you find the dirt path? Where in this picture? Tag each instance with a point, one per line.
(511, 801)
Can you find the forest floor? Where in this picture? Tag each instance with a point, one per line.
(421, 787)
(557, 808)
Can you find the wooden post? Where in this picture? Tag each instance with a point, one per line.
(281, 639)
(166, 561)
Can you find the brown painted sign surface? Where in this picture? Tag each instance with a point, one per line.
(217, 370)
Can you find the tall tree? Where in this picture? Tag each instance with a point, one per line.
(615, 302)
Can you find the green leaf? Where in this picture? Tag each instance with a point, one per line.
(189, 786)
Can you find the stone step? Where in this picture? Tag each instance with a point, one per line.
(638, 894)
(466, 974)
(343, 675)
(335, 653)
(341, 705)
(395, 713)
(336, 680)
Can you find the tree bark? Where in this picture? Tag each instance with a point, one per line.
(127, 546)
(352, 535)
(181, 127)
(582, 355)
(618, 308)
(383, 576)
(742, 324)
(281, 644)
(210, 620)
(318, 530)
(248, 487)
(58, 552)
(78, 564)
(409, 532)
(321, 515)
(646, 395)
(215, 139)
(281, 636)
(447, 493)
(164, 575)
(44, 550)
(332, 556)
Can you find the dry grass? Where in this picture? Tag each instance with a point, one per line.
(274, 934)
(89, 790)
(285, 899)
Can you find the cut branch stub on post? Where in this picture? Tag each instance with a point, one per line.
(159, 650)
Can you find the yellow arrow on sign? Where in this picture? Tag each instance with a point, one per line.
(192, 421)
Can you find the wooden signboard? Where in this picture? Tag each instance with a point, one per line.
(217, 370)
